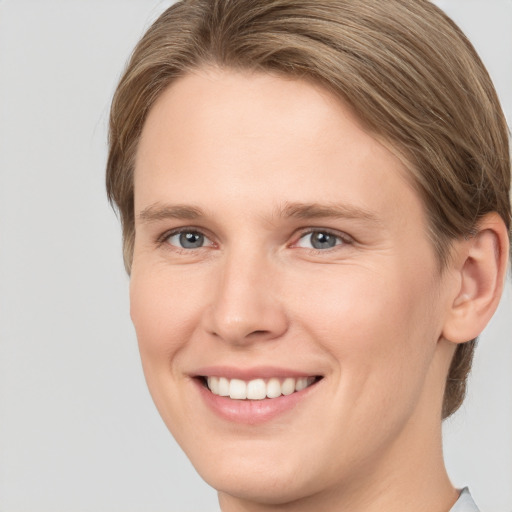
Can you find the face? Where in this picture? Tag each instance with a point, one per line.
(281, 259)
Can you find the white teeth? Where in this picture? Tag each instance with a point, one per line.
(223, 387)
(288, 386)
(273, 388)
(257, 389)
(237, 389)
(213, 384)
(302, 383)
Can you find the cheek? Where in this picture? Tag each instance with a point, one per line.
(380, 337)
(164, 319)
(163, 316)
(379, 328)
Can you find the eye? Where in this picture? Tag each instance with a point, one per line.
(188, 239)
(320, 240)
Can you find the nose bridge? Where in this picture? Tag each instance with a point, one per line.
(245, 304)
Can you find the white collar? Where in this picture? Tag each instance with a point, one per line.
(465, 503)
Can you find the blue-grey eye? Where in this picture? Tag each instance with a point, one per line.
(187, 240)
(319, 240)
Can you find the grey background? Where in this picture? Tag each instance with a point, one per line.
(78, 430)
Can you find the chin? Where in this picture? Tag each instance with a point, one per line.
(258, 485)
(257, 473)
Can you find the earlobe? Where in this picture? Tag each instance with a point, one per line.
(481, 263)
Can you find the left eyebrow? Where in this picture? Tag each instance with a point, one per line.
(305, 211)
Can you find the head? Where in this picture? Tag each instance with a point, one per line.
(400, 73)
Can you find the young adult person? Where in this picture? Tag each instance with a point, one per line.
(316, 216)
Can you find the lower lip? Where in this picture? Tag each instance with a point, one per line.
(251, 412)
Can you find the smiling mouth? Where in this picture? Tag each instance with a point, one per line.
(257, 389)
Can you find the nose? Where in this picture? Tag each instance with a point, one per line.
(246, 306)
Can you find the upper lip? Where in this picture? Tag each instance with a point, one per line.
(247, 374)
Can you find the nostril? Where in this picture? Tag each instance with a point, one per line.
(258, 333)
(240, 318)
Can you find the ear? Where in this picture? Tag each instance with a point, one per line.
(480, 265)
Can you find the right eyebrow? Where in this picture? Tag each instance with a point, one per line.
(158, 211)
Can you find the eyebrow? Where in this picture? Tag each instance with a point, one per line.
(157, 211)
(301, 211)
(331, 210)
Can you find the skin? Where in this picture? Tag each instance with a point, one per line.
(369, 315)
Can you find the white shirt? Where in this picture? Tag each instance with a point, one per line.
(465, 503)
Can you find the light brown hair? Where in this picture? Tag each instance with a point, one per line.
(408, 71)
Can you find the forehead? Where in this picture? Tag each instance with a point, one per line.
(210, 103)
(239, 135)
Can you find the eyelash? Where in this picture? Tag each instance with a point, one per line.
(341, 238)
(164, 238)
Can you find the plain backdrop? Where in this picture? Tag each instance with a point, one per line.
(78, 430)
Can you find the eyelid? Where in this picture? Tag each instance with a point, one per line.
(164, 237)
(345, 238)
